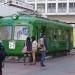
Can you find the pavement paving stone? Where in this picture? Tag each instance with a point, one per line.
(58, 66)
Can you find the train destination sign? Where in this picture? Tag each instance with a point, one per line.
(11, 44)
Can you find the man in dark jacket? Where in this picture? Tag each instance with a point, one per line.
(2, 56)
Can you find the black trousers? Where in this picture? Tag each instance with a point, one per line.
(27, 57)
(0, 68)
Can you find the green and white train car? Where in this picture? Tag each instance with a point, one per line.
(15, 29)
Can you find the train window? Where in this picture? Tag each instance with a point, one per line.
(5, 32)
(67, 35)
(21, 32)
(49, 33)
(55, 34)
(59, 33)
(62, 35)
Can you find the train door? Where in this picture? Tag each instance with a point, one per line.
(68, 38)
(41, 30)
(38, 30)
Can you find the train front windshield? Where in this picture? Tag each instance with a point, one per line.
(5, 32)
(13, 33)
(21, 32)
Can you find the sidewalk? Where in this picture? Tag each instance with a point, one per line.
(20, 68)
(59, 66)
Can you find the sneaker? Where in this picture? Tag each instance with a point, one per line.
(43, 65)
(24, 63)
(33, 63)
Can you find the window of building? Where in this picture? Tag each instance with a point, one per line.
(30, 0)
(2, 1)
(71, 7)
(21, 0)
(51, 0)
(41, 8)
(51, 7)
(33, 6)
(40, 0)
(62, 7)
(62, 0)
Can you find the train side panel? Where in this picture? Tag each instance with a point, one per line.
(58, 34)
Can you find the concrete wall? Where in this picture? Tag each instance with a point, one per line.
(64, 18)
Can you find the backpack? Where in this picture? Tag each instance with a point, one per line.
(41, 43)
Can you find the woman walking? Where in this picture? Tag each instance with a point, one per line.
(34, 49)
(27, 50)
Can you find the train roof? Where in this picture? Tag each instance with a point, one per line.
(27, 19)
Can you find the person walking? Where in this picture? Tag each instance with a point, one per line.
(42, 47)
(27, 49)
(2, 56)
(34, 49)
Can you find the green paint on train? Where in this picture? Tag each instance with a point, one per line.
(14, 30)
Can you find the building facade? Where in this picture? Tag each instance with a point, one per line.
(55, 9)
(10, 7)
(63, 10)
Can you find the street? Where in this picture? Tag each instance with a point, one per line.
(64, 65)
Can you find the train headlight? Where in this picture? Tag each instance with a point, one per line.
(15, 17)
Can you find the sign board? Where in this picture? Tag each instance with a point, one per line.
(21, 4)
(11, 44)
